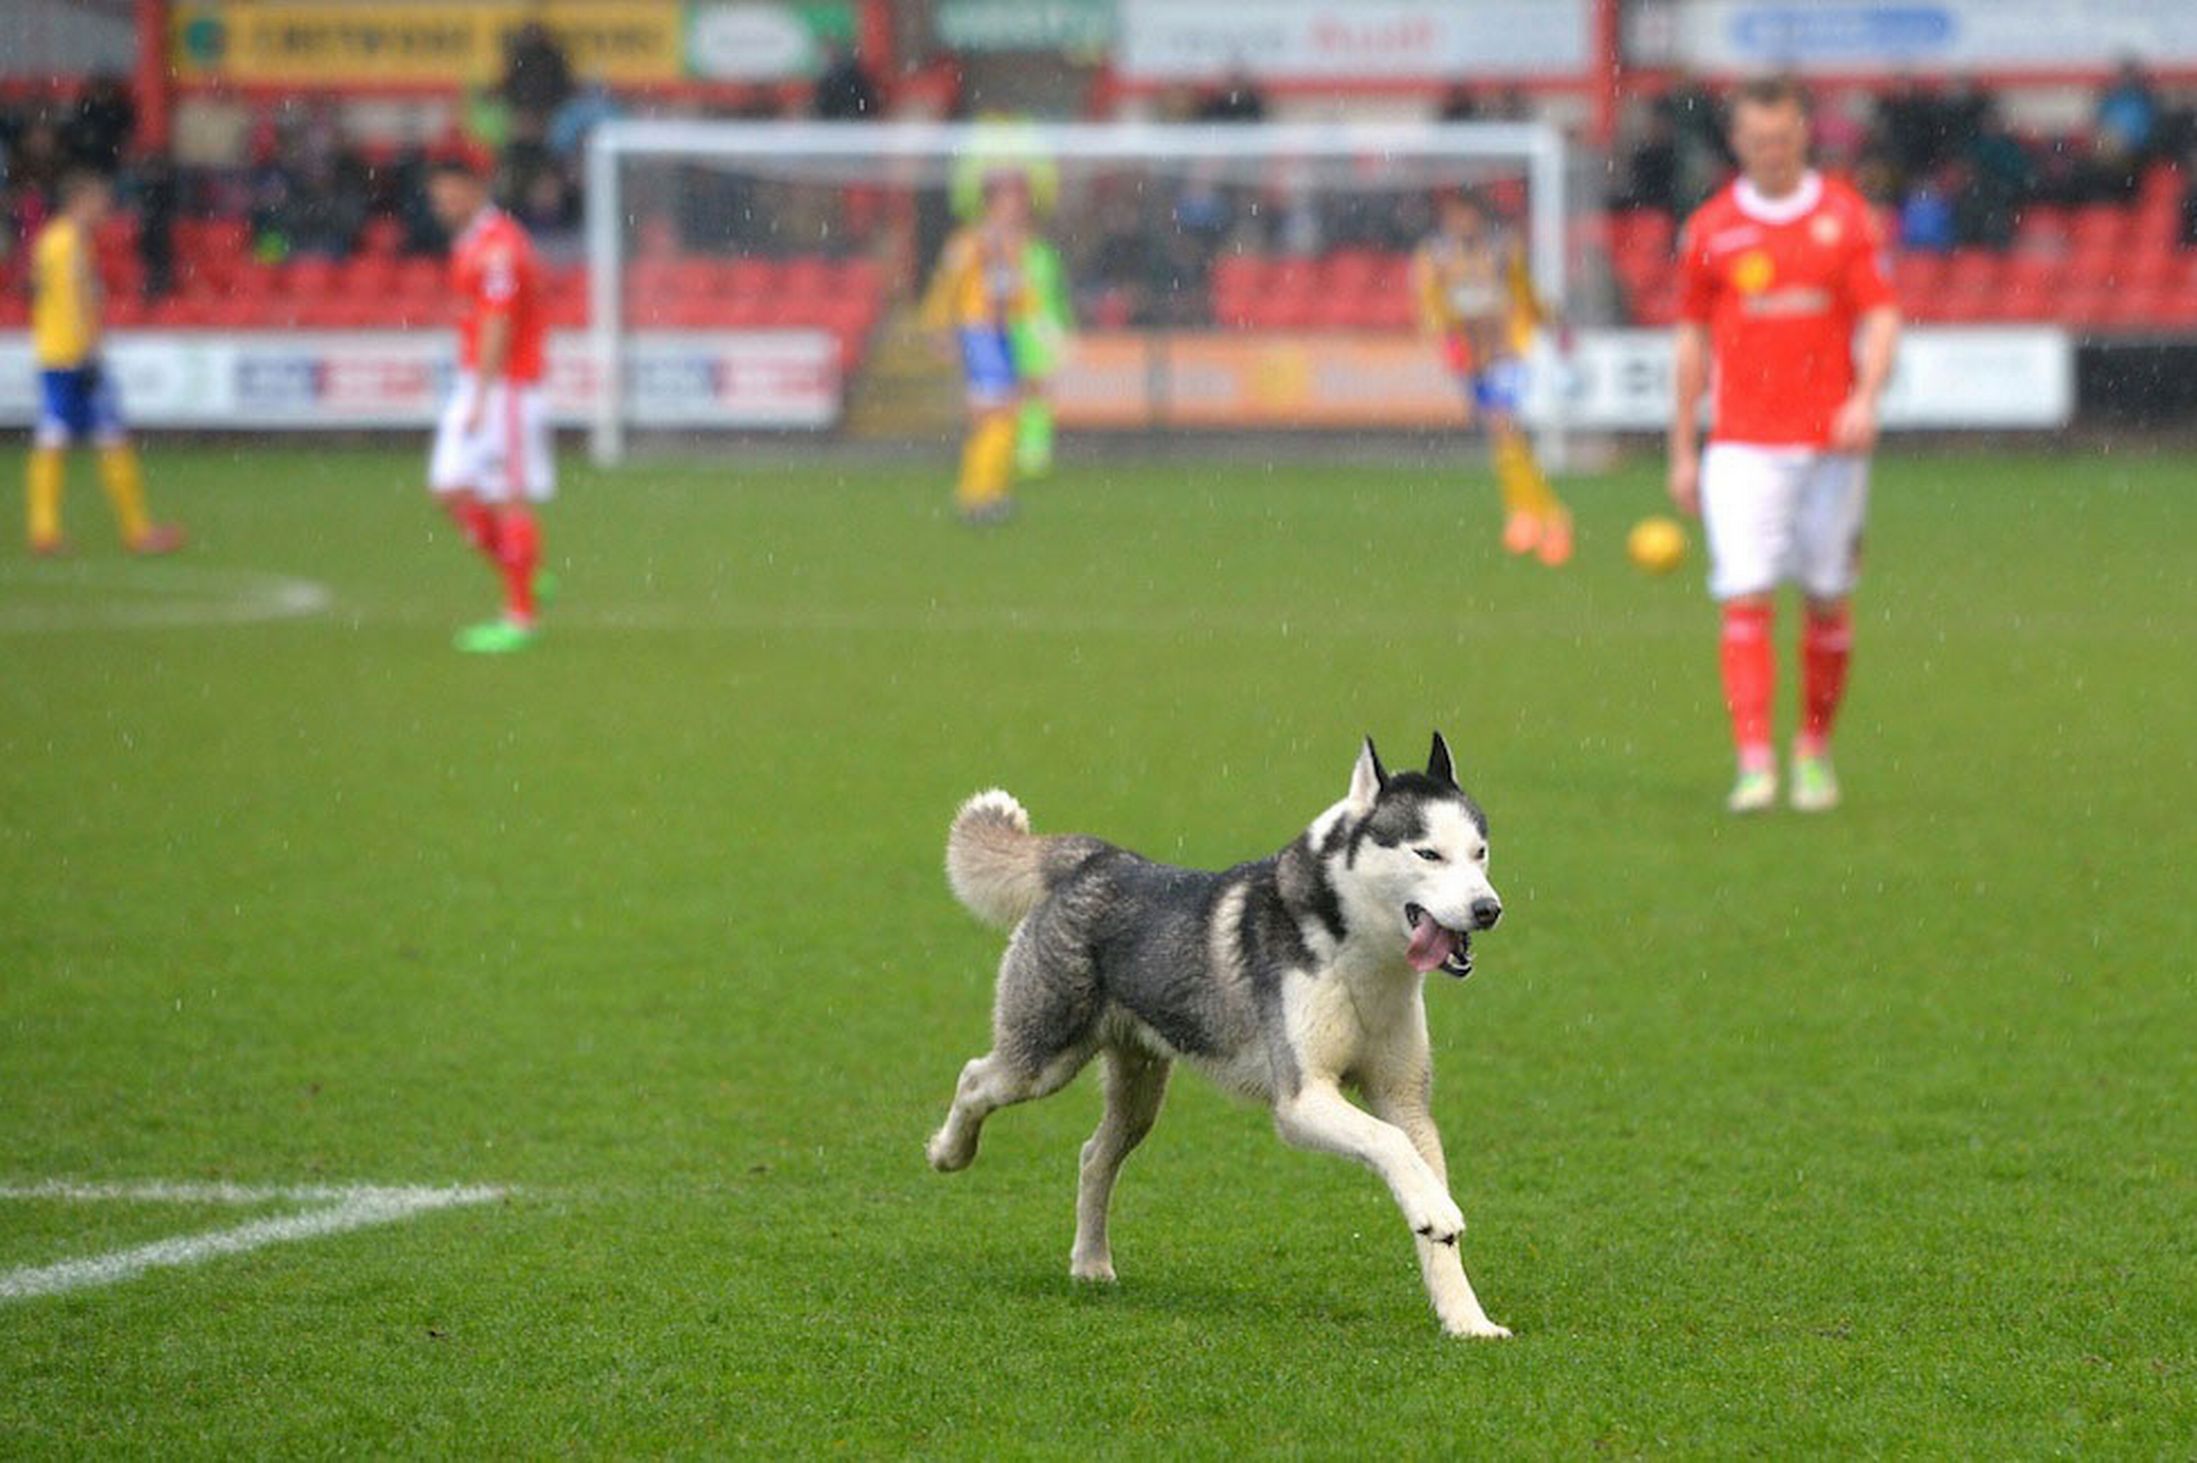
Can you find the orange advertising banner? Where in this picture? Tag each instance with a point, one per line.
(1140, 379)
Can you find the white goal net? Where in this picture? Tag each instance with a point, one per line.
(769, 276)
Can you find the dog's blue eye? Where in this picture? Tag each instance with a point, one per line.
(1432, 856)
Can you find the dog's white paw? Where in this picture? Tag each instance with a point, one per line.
(1477, 1328)
(1436, 1217)
(1098, 1271)
(949, 1150)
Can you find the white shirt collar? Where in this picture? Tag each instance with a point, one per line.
(476, 223)
(1779, 210)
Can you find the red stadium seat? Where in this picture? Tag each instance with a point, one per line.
(1917, 275)
(422, 277)
(2084, 304)
(1294, 276)
(309, 278)
(752, 277)
(2041, 226)
(2093, 265)
(1239, 275)
(653, 279)
(692, 278)
(381, 236)
(809, 276)
(2098, 225)
(860, 278)
(1350, 272)
(370, 276)
(2148, 268)
(1973, 271)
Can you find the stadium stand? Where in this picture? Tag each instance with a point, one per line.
(2094, 228)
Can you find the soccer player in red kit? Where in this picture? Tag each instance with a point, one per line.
(1784, 291)
(491, 461)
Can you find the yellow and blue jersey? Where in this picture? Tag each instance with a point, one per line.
(1480, 290)
(65, 298)
(75, 399)
(982, 291)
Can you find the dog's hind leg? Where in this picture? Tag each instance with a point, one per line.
(1441, 1266)
(1044, 1030)
(1136, 1084)
(989, 1083)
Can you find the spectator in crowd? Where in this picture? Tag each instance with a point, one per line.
(569, 129)
(1238, 99)
(2128, 112)
(1912, 124)
(549, 213)
(1926, 215)
(1459, 104)
(97, 134)
(35, 166)
(537, 79)
(157, 200)
(2000, 178)
(844, 91)
(1695, 124)
(1651, 172)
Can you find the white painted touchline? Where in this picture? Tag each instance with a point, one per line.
(156, 596)
(347, 1209)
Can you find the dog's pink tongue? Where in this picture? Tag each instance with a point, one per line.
(1430, 945)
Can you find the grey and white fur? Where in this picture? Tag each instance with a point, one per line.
(1287, 980)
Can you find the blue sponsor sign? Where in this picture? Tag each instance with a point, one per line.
(1879, 34)
(277, 382)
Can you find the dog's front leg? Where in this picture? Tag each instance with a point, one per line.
(1442, 1267)
(1319, 1117)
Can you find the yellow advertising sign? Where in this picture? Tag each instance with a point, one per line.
(1243, 379)
(418, 42)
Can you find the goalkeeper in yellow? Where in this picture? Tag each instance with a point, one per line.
(1477, 299)
(76, 400)
(984, 294)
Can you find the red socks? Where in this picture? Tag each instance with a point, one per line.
(510, 539)
(1750, 677)
(475, 519)
(518, 550)
(1826, 644)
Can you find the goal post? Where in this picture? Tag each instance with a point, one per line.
(686, 220)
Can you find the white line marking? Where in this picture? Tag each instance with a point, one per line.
(345, 1209)
(156, 596)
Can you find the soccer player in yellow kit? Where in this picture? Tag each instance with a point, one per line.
(1475, 296)
(76, 400)
(981, 290)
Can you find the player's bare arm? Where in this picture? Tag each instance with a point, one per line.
(495, 353)
(1854, 429)
(1689, 380)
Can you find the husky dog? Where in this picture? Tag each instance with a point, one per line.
(1283, 980)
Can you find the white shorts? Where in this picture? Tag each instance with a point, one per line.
(1782, 514)
(511, 454)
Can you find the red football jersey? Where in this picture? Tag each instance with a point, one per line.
(495, 271)
(1780, 284)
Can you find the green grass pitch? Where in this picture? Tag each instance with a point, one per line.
(1875, 1133)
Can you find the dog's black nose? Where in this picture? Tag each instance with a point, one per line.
(1485, 912)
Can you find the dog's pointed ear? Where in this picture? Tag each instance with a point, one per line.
(1439, 765)
(1366, 777)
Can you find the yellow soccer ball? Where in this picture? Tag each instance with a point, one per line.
(1656, 545)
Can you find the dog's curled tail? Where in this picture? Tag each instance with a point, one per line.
(994, 862)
